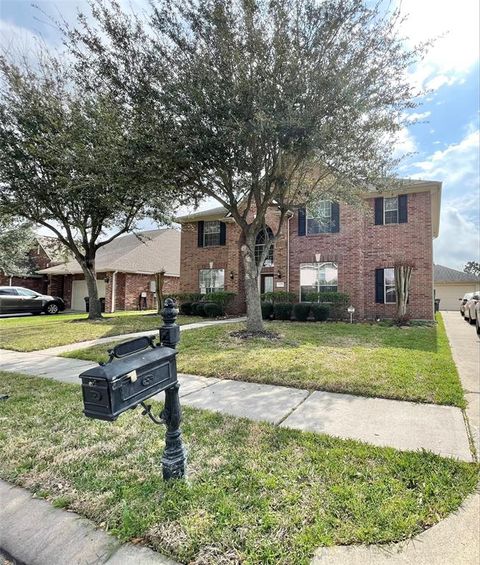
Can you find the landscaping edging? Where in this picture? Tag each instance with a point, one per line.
(32, 531)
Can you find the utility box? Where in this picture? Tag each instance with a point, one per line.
(136, 371)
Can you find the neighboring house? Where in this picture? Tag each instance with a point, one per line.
(45, 252)
(451, 285)
(330, 246)
(125, 272)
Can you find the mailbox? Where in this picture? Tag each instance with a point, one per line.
(136, 371)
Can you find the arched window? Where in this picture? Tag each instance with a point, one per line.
(262, 237)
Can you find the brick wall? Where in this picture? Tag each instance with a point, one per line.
(358, 248)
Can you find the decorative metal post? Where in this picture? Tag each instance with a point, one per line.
(174, 459)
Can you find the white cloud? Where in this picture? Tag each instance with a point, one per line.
(404, 143)
(457, 167)
(455, 51)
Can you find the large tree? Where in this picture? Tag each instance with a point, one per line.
(16, 241)
(272, 102)
(78, 161)
(472, 267)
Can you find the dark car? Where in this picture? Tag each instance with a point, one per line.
(19, 300)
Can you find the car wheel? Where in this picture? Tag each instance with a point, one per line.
(477, 323)
(472, 321)
(52, 308)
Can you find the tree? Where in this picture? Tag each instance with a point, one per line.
(77, 161)
(16, 241)
(159, 283)
(403, 275)
(472, 267)
(271, 102)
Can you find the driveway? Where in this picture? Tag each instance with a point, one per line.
(466, 354)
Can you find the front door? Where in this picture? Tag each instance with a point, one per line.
(266, 283)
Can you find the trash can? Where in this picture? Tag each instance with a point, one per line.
(437, 304)
(87, 304)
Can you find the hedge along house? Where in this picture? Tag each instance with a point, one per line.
(326, 247)
(126, 270)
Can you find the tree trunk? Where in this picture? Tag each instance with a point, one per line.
(94, 311)
(403, 274)
(252, 291)
(159, 282)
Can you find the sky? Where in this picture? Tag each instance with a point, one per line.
(444, 145)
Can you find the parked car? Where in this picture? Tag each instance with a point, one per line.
(469, 312)
(477, 317)
(19, 300)
(463, 301)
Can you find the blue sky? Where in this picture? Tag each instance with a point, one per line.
(445, 144)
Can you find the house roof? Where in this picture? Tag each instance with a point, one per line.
(403, 186)
(443, 274)
(54, 248)
(145, 252)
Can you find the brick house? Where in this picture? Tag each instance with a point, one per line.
(46, 251)
(125, 272)
(331, 246)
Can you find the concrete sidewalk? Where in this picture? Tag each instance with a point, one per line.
(393, 423)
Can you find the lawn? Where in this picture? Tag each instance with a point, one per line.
(40, 332)
(365, 359)
(255, 493)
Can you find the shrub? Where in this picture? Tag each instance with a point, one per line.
(186, 308)
(187, 297)
(221, 297)
(267, 310)
(320, 312)
(282, 311)
(213, 309)
(279, 297)
(198, 309)
(301, 311)
(338, 302)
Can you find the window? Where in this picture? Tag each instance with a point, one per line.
(318, 277)
(211, 280)
(211, 233)
(390, 294)
(262, 236)
(319, 218)
(390, 210)
(27, 292)
(8, 292)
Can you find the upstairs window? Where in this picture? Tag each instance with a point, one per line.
(262, 237)
(211, 280)
(211, 233)
(322, 217)
(390, 210)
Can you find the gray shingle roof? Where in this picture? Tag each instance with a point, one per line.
(447, 275)
(145, 252)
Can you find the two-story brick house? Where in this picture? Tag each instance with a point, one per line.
(329, 246)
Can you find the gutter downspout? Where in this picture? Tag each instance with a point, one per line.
(288, 251)
(114, 284)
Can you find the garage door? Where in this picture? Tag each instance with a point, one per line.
(79, 291)
(449, 294)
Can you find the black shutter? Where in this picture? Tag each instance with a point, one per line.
(302, 221)
(379, 288)
(200, 233)
(223, 233)
(335, 217)
(402, 209)
(379, 211)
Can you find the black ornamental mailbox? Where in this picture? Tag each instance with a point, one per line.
(137, 370)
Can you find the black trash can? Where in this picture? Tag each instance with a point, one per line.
(437, 304)
(87, 304)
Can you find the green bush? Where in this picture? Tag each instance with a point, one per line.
(186, 308)
(301, 311)
(320, 312)
(213, 309)
(267, 310)
(221, 297)
(279, 297)
(338, 302)
(187, 297)
(198, 309)
(282, 311)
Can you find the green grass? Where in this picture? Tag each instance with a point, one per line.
(364, 359)
(41, 332)
(255, 494)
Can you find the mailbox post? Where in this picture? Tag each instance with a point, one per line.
(136, 371)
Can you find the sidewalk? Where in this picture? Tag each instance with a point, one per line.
(394, 423)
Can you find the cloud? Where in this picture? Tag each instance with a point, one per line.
(405, 143)
(455, 51)
(457, 167)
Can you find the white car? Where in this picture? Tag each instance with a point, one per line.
(469, 312)
(463, 301)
